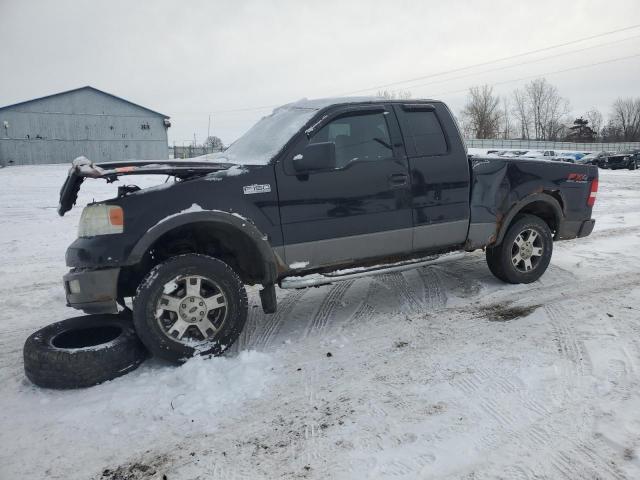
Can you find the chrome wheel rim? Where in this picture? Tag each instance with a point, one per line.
(527, 250)
(192, 309)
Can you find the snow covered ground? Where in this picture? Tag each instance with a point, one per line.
(442, 372)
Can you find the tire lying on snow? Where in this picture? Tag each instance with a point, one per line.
(82, 351)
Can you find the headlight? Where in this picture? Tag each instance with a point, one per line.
(100, 219)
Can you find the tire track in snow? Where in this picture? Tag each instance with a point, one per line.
(365, 310)
(554, 293)
(331, 302)
(409, 302)
(267, 330)
(581, 461)
(568, 344)
(254, 319)
(489, 387)
(435, 296)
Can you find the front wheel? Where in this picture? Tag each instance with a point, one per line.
(633, 165)
(525, 252)
(190, 304)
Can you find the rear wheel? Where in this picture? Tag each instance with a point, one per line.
(525, 252)
(190, 304)
(633, 165)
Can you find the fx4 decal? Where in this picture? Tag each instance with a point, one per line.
(577, 178)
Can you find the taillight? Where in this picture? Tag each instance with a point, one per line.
(593, 191)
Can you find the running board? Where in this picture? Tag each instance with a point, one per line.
(316, 279)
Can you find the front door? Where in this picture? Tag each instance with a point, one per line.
(362, 208)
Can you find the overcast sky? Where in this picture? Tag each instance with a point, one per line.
(193, 59)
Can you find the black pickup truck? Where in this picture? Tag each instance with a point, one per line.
(316, 192)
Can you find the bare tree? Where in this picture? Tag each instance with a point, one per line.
(595, 120)
(540, 110)
(481, 115)
(505, 119)
(394, 94)
(521, 113)
(625, 116)
(548, 108)
(214, 143)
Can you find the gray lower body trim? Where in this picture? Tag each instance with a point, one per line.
(345, 249)
(439, 234)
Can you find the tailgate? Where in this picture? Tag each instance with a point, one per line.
(82, 168)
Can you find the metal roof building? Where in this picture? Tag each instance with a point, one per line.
(84, 121)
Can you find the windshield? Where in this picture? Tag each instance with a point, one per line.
(267, 137)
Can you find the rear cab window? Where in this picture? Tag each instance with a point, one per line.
(422, 131)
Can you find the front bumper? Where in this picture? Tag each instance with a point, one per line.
(92, 291)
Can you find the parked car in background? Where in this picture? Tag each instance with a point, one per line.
(565, 157)
(542, 154)
(596, 158)
(627, 159)
(511, 153)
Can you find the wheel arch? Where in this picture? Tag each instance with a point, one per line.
(229, 237)
(545, 205)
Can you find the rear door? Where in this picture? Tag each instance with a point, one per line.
(362, 208)
(440, 177)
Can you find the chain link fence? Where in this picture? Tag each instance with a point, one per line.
(190, 151)
(550, 145)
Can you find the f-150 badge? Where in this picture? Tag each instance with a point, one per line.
(255, 188)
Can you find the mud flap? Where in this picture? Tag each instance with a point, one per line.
(268, 299)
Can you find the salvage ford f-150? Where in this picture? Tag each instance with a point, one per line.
(316, 192)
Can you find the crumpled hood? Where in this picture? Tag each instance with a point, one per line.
(82, 168)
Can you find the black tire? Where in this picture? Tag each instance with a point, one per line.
(499, 258)
(82, 351)
(145, 307)
(633, 165)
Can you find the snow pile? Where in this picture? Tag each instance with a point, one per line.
(156, 403)
(297, 265)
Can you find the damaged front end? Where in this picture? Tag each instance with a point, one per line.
(82, 168)
(96, 255)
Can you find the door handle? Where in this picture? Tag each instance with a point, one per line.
(398, 179)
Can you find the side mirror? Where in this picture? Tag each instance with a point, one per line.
(316, 156)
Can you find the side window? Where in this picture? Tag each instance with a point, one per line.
(423, 133)
(357, 137)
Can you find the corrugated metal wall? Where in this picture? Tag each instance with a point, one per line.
(82, 122)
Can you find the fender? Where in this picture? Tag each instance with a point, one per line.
(515, 209)
(241, 225)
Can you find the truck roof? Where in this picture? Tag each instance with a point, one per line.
(319, 103)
